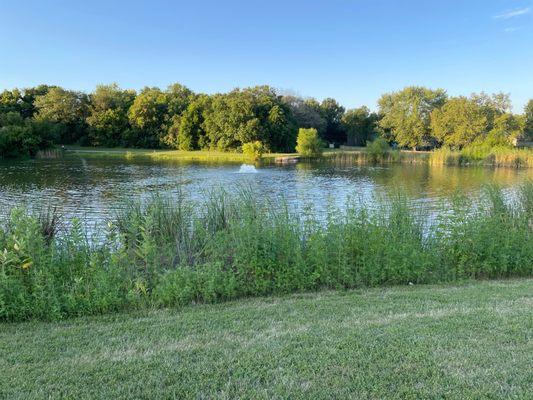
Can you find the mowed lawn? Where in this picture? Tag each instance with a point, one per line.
(469, 341)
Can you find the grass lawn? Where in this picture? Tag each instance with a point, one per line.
(468, 341)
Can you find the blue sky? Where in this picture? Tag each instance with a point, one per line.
(350, 50)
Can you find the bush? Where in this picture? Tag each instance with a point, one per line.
(308, 143)
(17, 141)
(253, 150)
(377, 149)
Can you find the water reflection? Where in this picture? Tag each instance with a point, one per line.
(91, 187)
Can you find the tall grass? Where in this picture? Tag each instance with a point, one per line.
(173, 251)
(497, 157)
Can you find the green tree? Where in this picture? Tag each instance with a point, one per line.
(359, 124)
(459, 122)
(332, 112)
(147, 116)
(528, 115)
(306, 113)
(308, 143)
(16, 141)
(247, 115)
(10, 101)
(108, 114)
(66, 108)
(11, 118)
(178, 98)
(406, 114)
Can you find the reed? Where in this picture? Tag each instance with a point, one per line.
(173, 251)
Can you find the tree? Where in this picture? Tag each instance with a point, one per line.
(528, 115)
(147, 116)
(359, 125)
(459, 122)
(308, 143)
(332, 112)
(108, 114)
(16, 141)
(306, 113)
(66, 108)
(10, 101)
(178, 98)
(247, 115)
(191, 133)
(407, 114)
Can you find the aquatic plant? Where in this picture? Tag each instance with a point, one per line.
(171, 251)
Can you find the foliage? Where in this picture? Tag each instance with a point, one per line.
(308, 143)
(171, 252)
(406, 114)
(528, 115)
(65, 108)
(253, 150)
(178, 118)
(147, 116)
(306, 113)
(108, 115)
(458, 122)
(359, 125)
(247, 115)
(16, 141)
(377, 149)
(333, 112)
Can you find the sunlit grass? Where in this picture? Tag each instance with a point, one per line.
(470, 341)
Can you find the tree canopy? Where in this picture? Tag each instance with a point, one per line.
(407, 114)
(258, 117)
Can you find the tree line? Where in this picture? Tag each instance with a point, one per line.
(177, 118)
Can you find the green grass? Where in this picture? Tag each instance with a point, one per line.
(457, 342)
(178, 155)
(516, 158)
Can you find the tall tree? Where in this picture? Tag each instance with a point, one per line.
(306, 113)
(528, 114)
(407, 114)
(108, 114)
(459, 122)
(178, 98)
(66, 108)
(248, 115)
(332, 112)
(359, 125)
(147, 116)
(186, 132)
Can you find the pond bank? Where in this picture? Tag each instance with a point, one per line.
(514, 158)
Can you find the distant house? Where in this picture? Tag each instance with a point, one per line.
(522, 142)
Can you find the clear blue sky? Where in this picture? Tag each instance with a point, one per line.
(350, 50)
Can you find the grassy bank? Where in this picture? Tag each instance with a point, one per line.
(168, 252)
(177, 155)
(515, 158)
(469, 341)
(497, 157)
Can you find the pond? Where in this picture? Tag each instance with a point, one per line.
(92, 187)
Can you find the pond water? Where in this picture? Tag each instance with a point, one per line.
(91, 187)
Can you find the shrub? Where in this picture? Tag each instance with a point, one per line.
(253, 150)
(308, 143)
(377, 149)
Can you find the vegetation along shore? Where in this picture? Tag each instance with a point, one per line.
(168, 252)
(260, 120)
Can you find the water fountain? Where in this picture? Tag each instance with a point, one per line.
(247, 169)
